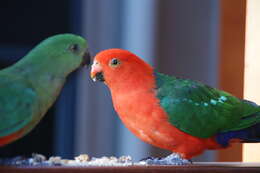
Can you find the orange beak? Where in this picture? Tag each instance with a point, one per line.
(96, 72)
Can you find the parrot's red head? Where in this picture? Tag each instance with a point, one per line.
(120, 68)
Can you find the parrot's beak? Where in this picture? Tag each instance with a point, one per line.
(86, 59)
(96, 72)
(98, 77)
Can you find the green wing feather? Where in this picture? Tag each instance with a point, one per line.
(17, 105)
(202, 111)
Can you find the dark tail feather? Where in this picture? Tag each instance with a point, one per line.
(248, 135)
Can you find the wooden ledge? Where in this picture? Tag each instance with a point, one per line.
(197, 167)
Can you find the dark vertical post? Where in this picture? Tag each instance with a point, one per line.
(231, 66)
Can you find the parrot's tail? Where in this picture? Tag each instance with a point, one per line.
(247, 135)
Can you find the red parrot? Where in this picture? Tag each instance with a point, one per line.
(180, 115)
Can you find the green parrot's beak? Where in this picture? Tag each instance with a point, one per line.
(86, 59)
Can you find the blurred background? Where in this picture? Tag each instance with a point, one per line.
(178, 37)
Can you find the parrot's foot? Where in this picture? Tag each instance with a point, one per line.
(173, 159)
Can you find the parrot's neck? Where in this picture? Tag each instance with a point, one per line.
(43, 66)
(141, 79)
(41, 75)
(132, 91)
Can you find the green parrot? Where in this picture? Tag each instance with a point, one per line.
(30, 87)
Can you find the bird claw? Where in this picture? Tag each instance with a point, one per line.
(149, 158)
(173, 159)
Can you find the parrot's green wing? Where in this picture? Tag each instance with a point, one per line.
(16, 105)
(202, 111)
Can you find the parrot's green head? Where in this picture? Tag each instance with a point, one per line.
(61, 53)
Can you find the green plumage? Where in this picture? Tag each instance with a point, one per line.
(202, 111)
(17, 107)
(30, 87)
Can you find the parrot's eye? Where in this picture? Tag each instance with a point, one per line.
(74, 48)
(114, 62)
